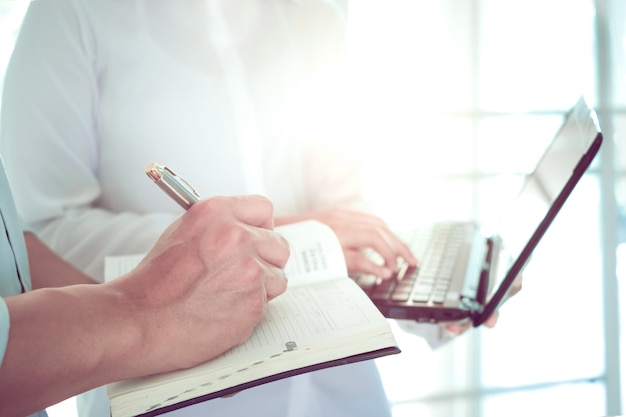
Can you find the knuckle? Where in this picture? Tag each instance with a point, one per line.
(266, 202)
(282, 282)
(252, 273)
(212, 204)
(259, 202)
(234, 235)
(276, 284)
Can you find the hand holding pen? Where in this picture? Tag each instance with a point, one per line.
(251, 212)
(217, 265)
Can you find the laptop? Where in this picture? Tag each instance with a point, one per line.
(464, 274)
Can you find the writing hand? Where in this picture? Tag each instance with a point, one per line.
(358, 231)
(205, 285)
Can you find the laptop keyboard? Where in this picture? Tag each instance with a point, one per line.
(437, 248)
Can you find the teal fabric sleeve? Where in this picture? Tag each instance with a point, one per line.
(5, 323)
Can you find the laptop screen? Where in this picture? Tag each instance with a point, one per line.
(543, 193)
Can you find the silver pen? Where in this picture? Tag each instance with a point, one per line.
(173, 185)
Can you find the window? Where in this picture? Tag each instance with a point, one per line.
(455, 93)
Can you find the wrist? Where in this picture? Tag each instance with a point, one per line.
(110, 330)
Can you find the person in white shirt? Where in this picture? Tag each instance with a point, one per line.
(238, 97)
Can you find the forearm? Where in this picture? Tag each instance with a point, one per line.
(84, 238)
(63, 342)
(47, 269)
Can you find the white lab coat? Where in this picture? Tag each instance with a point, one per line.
(226, 93)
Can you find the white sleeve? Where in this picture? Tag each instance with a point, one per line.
(49, 122)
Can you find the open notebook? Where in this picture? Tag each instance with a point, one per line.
(464, 274)
(322, 320)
